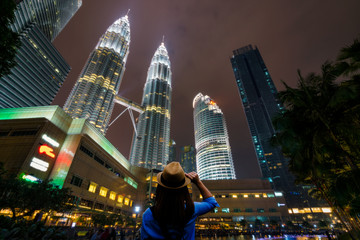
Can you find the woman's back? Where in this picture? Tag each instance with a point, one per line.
(174, 213)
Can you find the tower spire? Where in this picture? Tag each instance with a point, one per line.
(128, 12)
(163, 39)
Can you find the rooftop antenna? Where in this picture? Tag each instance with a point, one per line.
(163, 39)
(128, 12)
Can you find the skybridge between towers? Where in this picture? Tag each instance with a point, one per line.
(130, 106)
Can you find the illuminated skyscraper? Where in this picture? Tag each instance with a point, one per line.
(50, 16)
(213, 152)
(188, 158)
(260, 103)
(40, 69)
(150, 148)
(93, 94)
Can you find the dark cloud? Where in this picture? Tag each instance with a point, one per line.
(200, 37)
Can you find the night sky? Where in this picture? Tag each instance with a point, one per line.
(200, 37)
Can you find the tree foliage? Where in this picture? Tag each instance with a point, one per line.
(102, 219)
(27, 197)
(9, 40)
(320, 130)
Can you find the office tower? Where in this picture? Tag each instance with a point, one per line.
(188, 158)
(150, 148)
(260, 103)
(93, 94)
(172, 151)
(213, 153)
(50, 16)
(40, 69)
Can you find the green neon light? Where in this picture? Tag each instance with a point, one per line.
(93, 133)
(28, 178)
(53, 113)
(131, 182)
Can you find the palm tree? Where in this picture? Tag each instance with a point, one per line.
(320, 130)
(349, 58)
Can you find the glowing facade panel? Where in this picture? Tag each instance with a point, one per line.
(150, 147)
(213, 158)
(93, 95)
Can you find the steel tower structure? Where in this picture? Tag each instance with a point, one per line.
(150, 148)
(94, 92)
(213, 153)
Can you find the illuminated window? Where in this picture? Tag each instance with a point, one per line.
(131, 202)
(295, 210)
(326, 210)
(278, 194)
(257, 195)
(234, 196)
(103, 191)
(225, 210)
(260, 210)
(316, 210)
(120, 199)
(246, 196)
(112, 195)
(92, 187)
(126, 202)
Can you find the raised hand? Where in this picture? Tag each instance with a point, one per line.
(194, 177)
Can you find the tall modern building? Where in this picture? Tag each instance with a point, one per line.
(50, 16)
(260, 103)
(188, 158)
(150, 148)
(93, 95)
(213, 153)
(40, 69)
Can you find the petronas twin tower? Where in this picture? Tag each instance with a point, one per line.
(150, 148)
(93, 95)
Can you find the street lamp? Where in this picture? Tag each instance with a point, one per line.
(137, 210)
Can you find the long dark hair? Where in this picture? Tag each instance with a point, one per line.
(173, 207)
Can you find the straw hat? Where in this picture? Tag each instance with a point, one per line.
(173, 176)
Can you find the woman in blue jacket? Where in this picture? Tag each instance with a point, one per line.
(174, 213)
